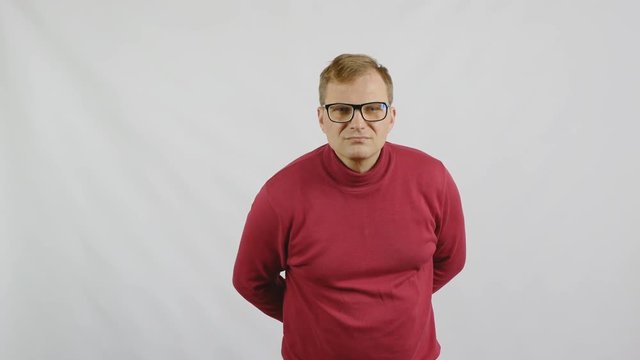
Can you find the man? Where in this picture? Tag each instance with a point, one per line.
(365, 230)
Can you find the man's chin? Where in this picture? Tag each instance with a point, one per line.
(359, 154)
(355, 152)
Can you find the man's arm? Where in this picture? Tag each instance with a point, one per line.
(261, 258)
(450, 254)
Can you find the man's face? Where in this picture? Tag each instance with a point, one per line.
(358, 142)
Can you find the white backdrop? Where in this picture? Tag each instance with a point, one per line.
(135, 134)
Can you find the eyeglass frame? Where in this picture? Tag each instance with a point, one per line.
(357, 107)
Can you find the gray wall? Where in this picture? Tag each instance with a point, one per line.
(135, 134)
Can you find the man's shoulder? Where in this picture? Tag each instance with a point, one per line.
(298, 169)
(413, 156)
(309, 159)
(416, 164)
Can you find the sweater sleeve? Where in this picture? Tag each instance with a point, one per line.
(261, 257)
(450, 254)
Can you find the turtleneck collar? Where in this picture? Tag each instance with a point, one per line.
(353, 180)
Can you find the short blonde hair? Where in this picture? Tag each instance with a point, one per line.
(347, 67)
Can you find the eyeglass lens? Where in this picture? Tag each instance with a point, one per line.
(374, 111)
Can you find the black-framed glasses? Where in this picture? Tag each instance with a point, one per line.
(371, 111)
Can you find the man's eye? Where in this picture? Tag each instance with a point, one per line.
(373, 108)
(342, 109)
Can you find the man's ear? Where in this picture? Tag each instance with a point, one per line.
(392, 112)
(321, 120)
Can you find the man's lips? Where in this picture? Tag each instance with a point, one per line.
(358, 138)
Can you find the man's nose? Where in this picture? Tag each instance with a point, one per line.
(358, 121)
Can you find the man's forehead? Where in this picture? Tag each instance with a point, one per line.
(369, 75)
(366, 85)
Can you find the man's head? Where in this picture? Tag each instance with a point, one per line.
(347, 67)
(356, 80)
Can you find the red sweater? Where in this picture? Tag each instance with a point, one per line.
(363, 254)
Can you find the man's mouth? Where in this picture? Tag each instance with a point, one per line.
(357, 138)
